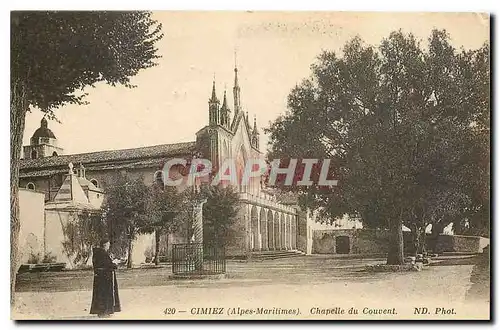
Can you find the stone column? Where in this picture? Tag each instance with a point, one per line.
(198, 233)
(286, 243)
(270, 235)
(259, 236)
(280, 243)
(248, 228)
(296, 232)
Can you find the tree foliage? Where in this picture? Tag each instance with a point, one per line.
(164, 213)
(126, 211)
(219, 214)
(404, 126)
(73, 50)
(55, 55)
(82, 233)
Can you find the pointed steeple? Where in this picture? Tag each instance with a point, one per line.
(224, 111)
(213, 107)
(255, 134)
(236, 92)
(224, 102)
(214, 94)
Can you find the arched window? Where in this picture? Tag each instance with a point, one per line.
(30, 186)
(94, 182)
(54, 153)
(34, 154)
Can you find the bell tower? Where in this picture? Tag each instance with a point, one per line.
(43, 143)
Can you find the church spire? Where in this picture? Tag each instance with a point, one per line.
(224, 102)
(213, 107)
(214, 95)
(236, 89)
(255, 134)
(224, 111)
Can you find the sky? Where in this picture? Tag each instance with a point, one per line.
(274, 52)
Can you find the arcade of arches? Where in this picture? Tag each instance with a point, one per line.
(272, 229)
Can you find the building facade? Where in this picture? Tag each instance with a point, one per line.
(263, 223)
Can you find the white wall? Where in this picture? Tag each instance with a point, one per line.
(139, 247)
(54, 235)
(31, 205)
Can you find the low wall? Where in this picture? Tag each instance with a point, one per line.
(360, 241)
(368, 241)
(460, 243)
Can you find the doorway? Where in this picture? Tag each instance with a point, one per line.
(342, 245)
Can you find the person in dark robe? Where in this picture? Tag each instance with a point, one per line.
(105, 299)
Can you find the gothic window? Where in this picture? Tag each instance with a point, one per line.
(34, 154)
(94, 182)
(54, 153)
(30, 186)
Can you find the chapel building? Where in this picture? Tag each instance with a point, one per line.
(263, 223)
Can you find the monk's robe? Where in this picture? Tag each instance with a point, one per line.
(105, 299)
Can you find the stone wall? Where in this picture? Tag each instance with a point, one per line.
(368, 241)
(32, 218)
(460, 243)
(359, 241)
(56, 220)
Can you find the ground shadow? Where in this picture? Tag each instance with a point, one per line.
(480, 279)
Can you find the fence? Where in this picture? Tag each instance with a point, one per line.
(196, 258)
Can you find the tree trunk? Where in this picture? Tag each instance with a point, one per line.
(129, 249)
(18, 109)
(395, 255)
(157, 246)
(166, 248)
(423, 243)
(416, 239)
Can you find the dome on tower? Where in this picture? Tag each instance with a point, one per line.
(43, 131)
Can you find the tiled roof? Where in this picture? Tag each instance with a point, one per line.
(104, 159)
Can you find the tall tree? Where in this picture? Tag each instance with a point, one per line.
(164, 214)
(219, 214)
(398, 121)
(126, 210)
(55, 55)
